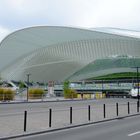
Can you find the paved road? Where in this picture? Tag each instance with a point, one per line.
(12, 115)
(17, 108)
(124, 129)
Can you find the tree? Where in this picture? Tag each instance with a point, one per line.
(21, 85)
(68, 92)
(66, 85)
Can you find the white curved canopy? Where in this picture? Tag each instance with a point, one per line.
(55, 53)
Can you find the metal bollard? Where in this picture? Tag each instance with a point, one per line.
(117, 109)
(137, 106)
(50, 117)
(89, 112)
(25, 121)
(128, 108)
(70, 115)
(104, 110)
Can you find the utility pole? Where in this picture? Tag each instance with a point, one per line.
(28, 76)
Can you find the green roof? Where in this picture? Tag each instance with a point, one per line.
(107, 66)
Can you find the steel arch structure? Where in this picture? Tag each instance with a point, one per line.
(58, 53)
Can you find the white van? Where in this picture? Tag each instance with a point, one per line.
(134, 92)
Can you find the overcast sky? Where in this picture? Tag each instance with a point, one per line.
(18, 14)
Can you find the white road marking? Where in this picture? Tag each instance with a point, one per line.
(135, 133)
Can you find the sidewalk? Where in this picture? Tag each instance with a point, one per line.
(13, 123)
(49, 99)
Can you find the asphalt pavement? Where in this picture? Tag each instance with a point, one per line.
(21, 107)
(121, 129)
(12, 115)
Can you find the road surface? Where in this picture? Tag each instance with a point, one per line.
(17, 108)
(12, 115)
(122, 129)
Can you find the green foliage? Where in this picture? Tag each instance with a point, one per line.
(1, 90)
(6, 94)
(1, 83)
(70, 93)
(36, 93)
(66, 85)
(21, 85)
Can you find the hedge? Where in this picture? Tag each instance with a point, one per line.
(70, 93)
(6, 94)
(36, 93)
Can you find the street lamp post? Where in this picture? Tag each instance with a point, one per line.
(102, 86)
(138, 95)
(138, 84)
(28, 76)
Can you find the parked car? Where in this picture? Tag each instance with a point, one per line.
(11, 85)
